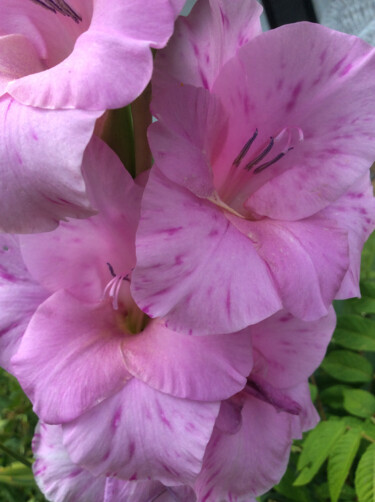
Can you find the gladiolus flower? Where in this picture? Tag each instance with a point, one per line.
(260, 197)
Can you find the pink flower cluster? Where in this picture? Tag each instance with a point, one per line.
(165, 327)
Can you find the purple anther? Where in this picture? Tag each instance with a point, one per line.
(261, 155)
(59, 6)
(261, 168)
(113, 274)
(245, 149)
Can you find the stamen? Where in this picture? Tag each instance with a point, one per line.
(261, 155)
(114, 286)
(269, 163)
(59, 6)
(245, 149)
(111, 270)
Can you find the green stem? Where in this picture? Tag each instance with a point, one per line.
(118, 133)
(15, 455)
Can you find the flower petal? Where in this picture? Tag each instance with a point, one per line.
(288, 350)
(56, 475)
(140, 433)
(104, 238)
(354, 212)
(245, 464)
(41, 179)
(308, 260)
(61, 480)
(18, 57)
(194, 267)
(70, 357)
(20, 296)
(205, 40)
(87, 78)
(200, 368)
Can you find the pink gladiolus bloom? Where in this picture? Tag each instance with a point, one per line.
(249, 448)
(49, 63)
(260, 196)
(91, 360)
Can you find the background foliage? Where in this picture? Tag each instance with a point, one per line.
(334, 462)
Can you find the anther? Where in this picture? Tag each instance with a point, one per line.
(261, 155)
(260, 168)
(111, 270)
(113, 273)
(245, 149)
(59, 6)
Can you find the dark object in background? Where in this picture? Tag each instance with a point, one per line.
(281, 12)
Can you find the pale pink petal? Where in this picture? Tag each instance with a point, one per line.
(87, 78)
(355, 213)
(70, 357)
(287, 350)
(308, 260)
(200, 368)
(41, 179)
(20, 296)
(18, 57)
(194, 267)
(105, 238)
(205, 40)
(245, 464)
(140, 432)
(298, 77)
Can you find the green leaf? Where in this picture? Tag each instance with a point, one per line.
(364, 305)
(347, 366)
(313, 391)
(365, 476)
(334, 396)
(368, 256)
(368, 287)
(355, 332)
(292, 493)
(316, 448)
(340, 461)
(359, 402)
(368, 428)
(16, 474)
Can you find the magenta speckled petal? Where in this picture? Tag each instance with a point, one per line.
(288, 350)
(61, 480)
(308, 260)
(140, 432)
(170, 362)
(245, 464)
(194, 267)
(208, 38)
(57, 476)
(70, 357)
